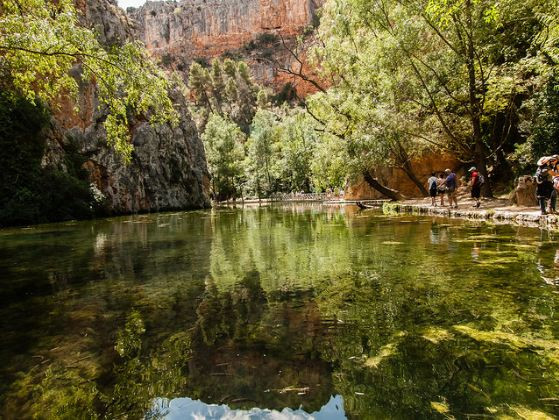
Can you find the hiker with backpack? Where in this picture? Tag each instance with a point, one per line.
(432, 187)
(554, 173)
(544, 184)
(441, 187)
(476, 181)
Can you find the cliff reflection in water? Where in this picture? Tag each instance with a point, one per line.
(186, 408)
(278, 308)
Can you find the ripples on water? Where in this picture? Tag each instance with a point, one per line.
(279, 311)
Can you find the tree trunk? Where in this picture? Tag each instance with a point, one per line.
(475, 105)
(408, 170)
(374, 182)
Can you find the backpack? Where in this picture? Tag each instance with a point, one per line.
(433, 187)
(481, 179)
(541, 174)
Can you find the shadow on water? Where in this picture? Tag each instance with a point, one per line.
(285, 308)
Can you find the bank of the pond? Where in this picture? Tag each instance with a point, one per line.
(497, 210)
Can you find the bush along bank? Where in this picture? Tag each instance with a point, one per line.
(29, 192)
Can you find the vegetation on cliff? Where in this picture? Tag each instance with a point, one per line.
(29, 192)
(46, 53)
(78, 93)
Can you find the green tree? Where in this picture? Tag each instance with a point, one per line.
(262, 154)
(329, 163)
(298, 140)
(41, 41)
(411, 75)
(223, 141)
(226, 88)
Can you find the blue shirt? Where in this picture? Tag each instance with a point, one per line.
(451, 181)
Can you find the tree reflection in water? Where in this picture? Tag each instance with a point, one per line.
(403, 317)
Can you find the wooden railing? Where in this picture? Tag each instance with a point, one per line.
(304, 197)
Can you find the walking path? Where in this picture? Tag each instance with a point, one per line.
(498, 210)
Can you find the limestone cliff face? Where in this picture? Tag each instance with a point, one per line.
(207, 28)
(180, 32)
(168, 168)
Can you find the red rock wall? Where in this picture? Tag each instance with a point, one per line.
(396, 178)
(188, 30)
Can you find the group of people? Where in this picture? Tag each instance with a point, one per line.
(547, 181)
(446, 183)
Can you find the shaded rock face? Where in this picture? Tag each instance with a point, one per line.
(109, 21)
(167, 172)
(168, 169)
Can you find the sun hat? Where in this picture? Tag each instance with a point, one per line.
(543, 160)
(447, 170)
(473, 168)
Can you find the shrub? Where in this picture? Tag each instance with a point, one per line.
(28, 192)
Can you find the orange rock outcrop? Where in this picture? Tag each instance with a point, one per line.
(181, 32)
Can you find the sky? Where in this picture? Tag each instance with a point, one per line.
(130, 3)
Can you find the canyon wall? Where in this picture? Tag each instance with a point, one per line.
(168, 168)
(208, 28)
(181, 32)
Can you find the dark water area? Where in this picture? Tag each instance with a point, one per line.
(292, 311)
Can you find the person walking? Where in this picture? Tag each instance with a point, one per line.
(544, 185)
(432, 187)
(475, 184)
(451, 185)
(441, 187)
(553, 172)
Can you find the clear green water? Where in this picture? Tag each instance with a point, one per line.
(402, 316)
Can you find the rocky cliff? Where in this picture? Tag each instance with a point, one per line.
(181, 32)
(207, 28)
(168, 168)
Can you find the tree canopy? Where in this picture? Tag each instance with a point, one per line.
(41, 42)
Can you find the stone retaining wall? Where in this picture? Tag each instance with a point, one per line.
(524, 218)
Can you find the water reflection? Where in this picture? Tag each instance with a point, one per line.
(186, 408)
(279, 307)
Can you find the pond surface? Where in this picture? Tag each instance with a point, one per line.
(295, 311)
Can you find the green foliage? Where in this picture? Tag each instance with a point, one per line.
(28, 192)
(298, 141)
(280, 152)
(329, 164)
(223, 141)
(129, 339)
(40, 42)
(262, 154)
(430, 75)
(543, 126)
(280, 145)
(227, 89)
